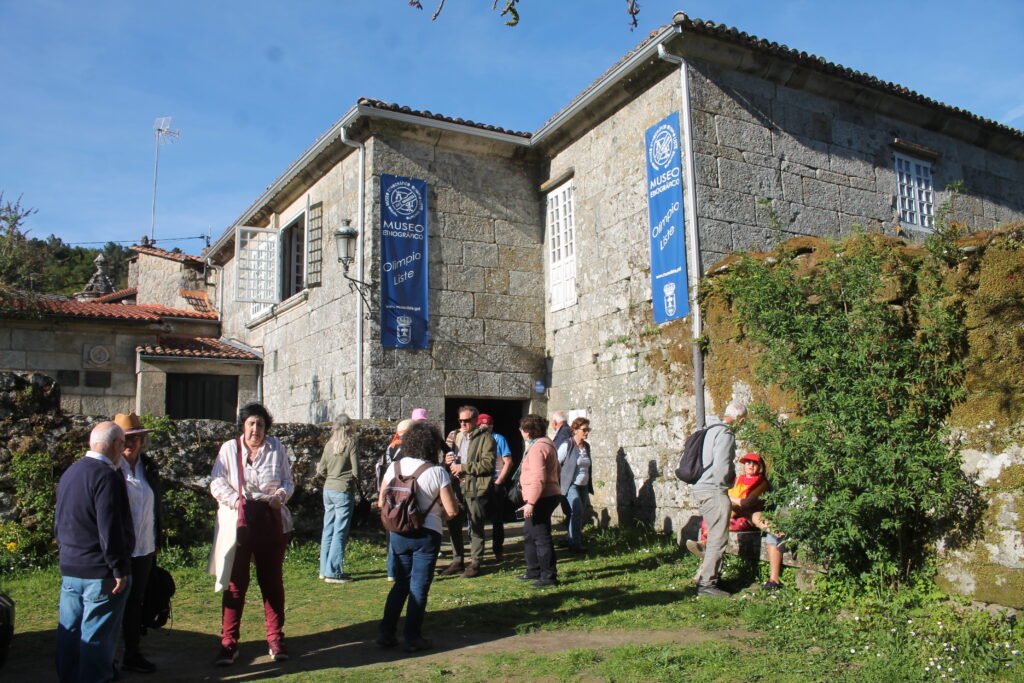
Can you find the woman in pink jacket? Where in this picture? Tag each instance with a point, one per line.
(540, 484)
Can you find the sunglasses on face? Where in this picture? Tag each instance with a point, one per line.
(466, 421)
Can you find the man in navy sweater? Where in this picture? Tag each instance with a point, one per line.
(93, 527)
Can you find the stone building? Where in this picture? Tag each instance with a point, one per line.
(153, 347)
(539, 255)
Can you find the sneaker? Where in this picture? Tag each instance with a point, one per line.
(384, 642)
(527, 577)
(695, 547)
(344, 578)
(321, 577)
(136, 662)
(472, 570)
(227, 655)
(544, 583)
(391, 579)
(712, 591)
(419, 644)
(455, 567)
(773, 586)
(278, 652)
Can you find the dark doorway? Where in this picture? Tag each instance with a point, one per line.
(506, 416)
(214, 397)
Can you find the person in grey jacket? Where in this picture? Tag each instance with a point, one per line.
(711, 494)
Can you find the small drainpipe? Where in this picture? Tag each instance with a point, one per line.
(360, 271)
(693, 255)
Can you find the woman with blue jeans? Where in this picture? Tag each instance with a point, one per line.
(416, 552)
(339, 465)
(575, 480)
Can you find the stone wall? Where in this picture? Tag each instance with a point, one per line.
(101, 354)
(184, 453)
(825, 164)
(486, 278)
(308, 341)
(159, 280)
(602, 348)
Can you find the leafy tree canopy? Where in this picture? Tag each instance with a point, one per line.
(50, 265)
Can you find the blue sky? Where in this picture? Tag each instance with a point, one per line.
(251, 84)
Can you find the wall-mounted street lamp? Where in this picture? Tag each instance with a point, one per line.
(345, 239)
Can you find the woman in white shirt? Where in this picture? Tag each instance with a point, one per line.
(253, 476)
(144, 497)
(416, 553)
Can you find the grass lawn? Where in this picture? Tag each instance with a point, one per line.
(625, 612)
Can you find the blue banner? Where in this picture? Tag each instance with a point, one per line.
(669, 293)
(404, 316)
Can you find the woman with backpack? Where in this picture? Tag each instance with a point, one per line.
(416, 547)
(390, 454)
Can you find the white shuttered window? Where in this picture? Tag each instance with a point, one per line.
(561, 229)
(255, 265)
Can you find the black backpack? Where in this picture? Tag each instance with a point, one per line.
(400, 512)
(156, 605)
(691, 460)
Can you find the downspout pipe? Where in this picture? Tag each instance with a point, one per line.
(693, 244)
(360, 246)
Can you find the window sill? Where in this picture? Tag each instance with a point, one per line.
(278, 308)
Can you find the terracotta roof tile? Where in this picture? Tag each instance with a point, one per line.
(388, 106)
(172, 255)
(65, 306)
(734, 35)
(197, 299)
(115, 297)
(195, 347)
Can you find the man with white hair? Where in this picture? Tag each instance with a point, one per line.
(711, 493)
(95, 534)
(560, 428)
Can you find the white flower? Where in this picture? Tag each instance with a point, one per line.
(852, 651)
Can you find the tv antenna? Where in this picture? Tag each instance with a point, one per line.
(162, 130)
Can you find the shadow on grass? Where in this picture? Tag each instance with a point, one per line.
(188, 655)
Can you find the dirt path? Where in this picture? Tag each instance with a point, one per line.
(178, 658)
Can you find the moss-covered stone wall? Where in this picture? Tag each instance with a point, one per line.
(987, 286)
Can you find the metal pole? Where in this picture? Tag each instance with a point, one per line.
(156, 166)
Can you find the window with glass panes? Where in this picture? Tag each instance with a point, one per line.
(561, 229)
(915, 191)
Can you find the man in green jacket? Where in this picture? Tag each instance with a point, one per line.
(471, 462)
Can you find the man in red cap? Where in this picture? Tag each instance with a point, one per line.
(502, 474)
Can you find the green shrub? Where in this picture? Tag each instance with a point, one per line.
(871, 353)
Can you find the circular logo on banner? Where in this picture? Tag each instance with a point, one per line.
(664, 144)
(404, 199)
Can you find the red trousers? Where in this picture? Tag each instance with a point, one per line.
(269, 574)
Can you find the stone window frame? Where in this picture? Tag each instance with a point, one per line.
(915, 191)
(560, 226)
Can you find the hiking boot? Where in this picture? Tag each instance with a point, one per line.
(133, 661)
(773, 585)
(227, 655)
(277, 651)
(472, 570)
(419, 644)
(695, 547)
(710, 590)
(454, 568)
